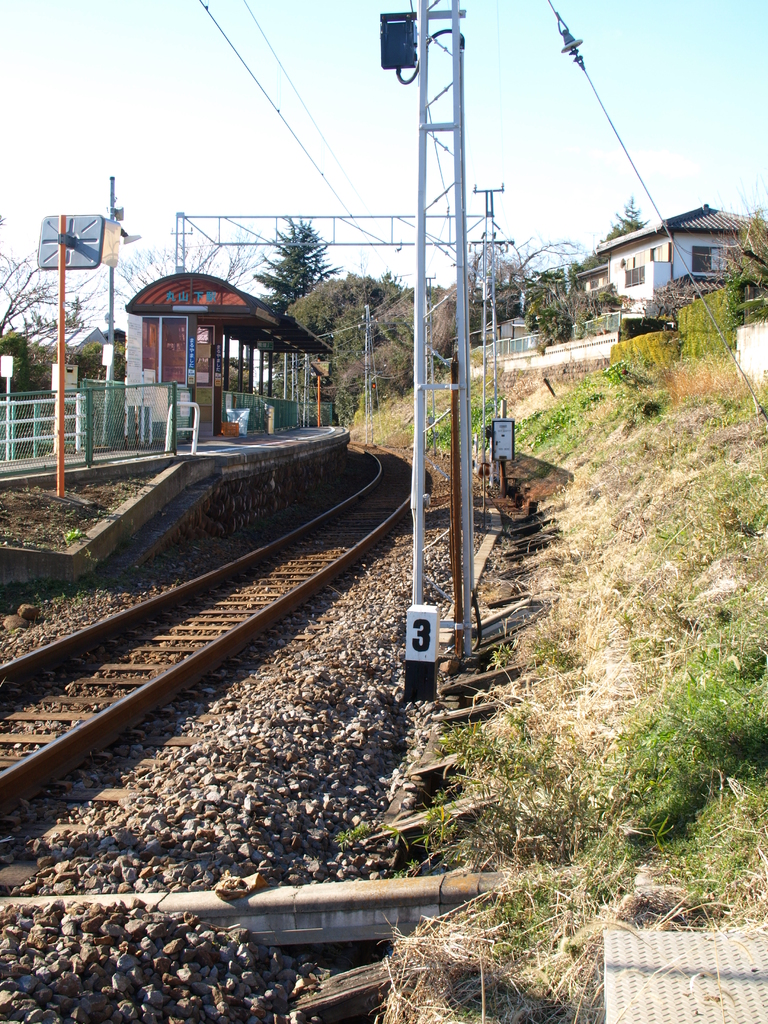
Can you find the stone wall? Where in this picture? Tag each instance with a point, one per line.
(520, 382)
(239, 500)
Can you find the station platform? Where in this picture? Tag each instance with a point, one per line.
(227, 484)
(219, 448)
(284, 439)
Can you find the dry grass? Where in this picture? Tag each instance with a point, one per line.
(644, 698)
(699, 381)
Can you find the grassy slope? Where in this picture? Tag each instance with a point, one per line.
(640, 746)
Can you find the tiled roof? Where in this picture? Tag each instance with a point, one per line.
(705, 218)
(594, 270)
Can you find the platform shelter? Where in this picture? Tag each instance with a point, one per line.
(180, 328)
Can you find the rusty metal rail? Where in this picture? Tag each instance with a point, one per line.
(59, 755)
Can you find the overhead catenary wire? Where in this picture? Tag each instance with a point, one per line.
(304, 105)
(279, 113)
(579, 60)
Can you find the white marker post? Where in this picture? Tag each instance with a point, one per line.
(6, 371)
(421, 636)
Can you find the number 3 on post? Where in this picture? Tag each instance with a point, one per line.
(421, 637)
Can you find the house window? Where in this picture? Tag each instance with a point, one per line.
(705, 259)
(634, 276)
(662, 253)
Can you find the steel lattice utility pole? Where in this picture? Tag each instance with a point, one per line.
(111, 332)
(488, 193)
(431, 355)
(454, 127)
(368, 396)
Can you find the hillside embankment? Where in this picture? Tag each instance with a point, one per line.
(626, 776)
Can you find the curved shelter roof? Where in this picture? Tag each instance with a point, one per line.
(244, 317)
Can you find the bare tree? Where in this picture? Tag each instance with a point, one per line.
(670, 298)
(29, 297)
(236, 264)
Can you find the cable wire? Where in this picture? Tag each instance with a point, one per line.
(285, 122)
(579, 60)
(306, 108)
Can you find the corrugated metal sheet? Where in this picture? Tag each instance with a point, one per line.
(685, 977)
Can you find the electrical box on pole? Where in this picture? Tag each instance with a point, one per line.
(398, 41)
(503, 440)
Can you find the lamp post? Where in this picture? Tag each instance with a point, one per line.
(116, 213)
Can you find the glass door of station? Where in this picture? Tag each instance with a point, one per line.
(204, 356)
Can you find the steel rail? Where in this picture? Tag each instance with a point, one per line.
(28, 776)
(28, 665)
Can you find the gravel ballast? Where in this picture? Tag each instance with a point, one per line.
(90, 964)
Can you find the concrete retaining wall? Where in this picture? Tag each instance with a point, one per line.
(292, 915)
(103, 472)
(752, 350)
(243, 486)
(244, 492)
(593, 350)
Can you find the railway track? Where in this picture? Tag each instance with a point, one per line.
(94, 684)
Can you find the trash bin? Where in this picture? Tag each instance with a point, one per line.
(270, 419)
(239, 416)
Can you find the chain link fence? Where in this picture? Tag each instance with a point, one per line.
(108, 421)
(102, 422)
(288, 414)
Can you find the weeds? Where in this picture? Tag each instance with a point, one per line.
(502, 655)
(640, 733)
(350, 836)
(73, 535)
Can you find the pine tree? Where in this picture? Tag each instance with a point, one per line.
(627, 222)
(299, 263)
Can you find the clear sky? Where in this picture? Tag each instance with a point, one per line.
(148, 90)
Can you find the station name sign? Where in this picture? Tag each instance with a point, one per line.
(209, 298)
(188, 291)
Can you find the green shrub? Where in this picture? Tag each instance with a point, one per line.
(633, 326)
(661, 348)
(698, 334)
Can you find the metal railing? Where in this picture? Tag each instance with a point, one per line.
(605, 324)
(288, 415)
(510, 346)
(108, 421)
(101, 422)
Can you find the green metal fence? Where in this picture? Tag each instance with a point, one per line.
(288, 415)
(108, 421)
(101, 422)
(308, 418)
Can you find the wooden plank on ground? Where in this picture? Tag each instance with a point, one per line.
(470, 685)
(104, 796)
(348, 996)
(26, 737)
(47, 716)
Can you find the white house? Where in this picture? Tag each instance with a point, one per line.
(641, 262)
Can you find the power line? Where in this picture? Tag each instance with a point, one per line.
(282, 118)
(572, 48)
(309, 115)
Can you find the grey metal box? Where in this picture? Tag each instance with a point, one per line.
(398, 41)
